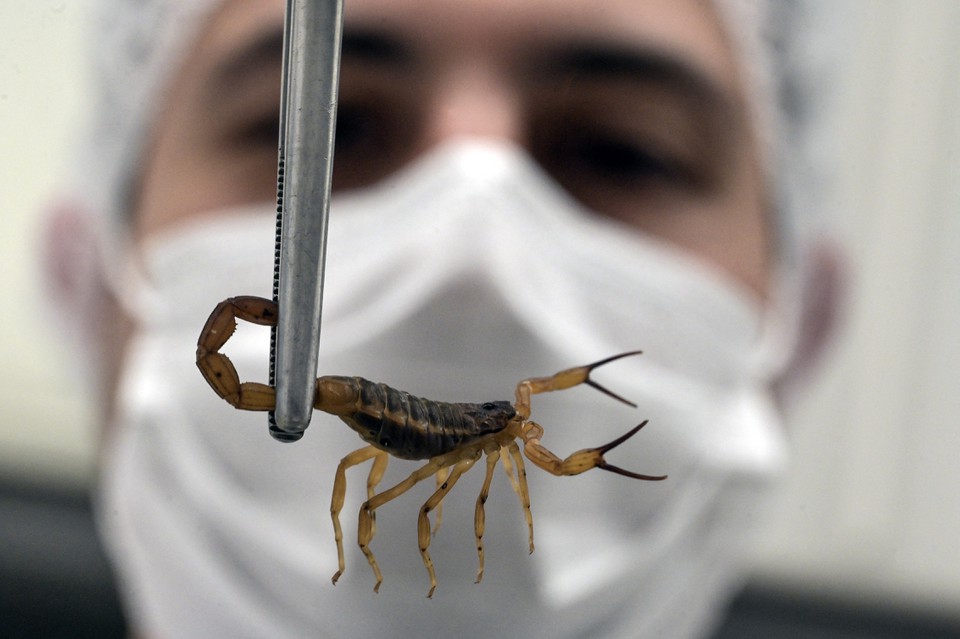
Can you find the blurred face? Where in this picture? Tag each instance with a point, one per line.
(635, 107)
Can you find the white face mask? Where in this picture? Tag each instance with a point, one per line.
(454, 280)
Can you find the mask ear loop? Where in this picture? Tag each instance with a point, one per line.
(128, 270)
(775, 344)
(120, 268)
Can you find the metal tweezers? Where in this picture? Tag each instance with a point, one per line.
(313, 31)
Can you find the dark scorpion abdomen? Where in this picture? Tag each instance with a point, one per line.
(412, 427)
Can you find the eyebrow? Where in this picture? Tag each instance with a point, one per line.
(262, 52)
(642, 65)
(265, 52)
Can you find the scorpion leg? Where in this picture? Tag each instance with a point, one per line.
(563, 380)
(339, 494)
(523, 491)
(580, 461)
(377, 470)
(423, 521)
(479, 516)
(217, 368)
(365, 528)
(442, 475)
(508, 469)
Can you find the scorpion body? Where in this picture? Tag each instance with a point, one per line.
(451, 437)
(411, 427)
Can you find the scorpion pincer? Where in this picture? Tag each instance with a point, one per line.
(451, 437)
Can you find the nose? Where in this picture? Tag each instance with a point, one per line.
(473, 101)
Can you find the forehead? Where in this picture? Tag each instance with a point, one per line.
(687, 25)
(689, 29)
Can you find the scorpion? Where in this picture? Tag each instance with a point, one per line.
(451, 437)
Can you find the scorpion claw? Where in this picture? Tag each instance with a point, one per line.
(602, 463)
(606, 391)
(627, 473)
(609, 393)
(622, 438)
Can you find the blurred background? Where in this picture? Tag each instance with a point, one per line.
(864, 536)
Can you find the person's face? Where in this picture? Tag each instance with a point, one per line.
(635, 107)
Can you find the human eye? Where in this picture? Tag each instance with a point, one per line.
(377, 121)
(611, 159)
(372, 141)
(259, 131)
(630, 171)
(627, 148)
(369, 129)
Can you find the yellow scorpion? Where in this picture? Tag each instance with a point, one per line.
(450, 436)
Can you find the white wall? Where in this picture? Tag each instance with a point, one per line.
(45, 423)
(870, 509)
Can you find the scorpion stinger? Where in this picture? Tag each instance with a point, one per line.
(448, 438)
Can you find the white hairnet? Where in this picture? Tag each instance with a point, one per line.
(788, 55)
(136, 48)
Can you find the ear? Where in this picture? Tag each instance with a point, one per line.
(823, 299)
(82, 302)
(88, 312)
(69, 254)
